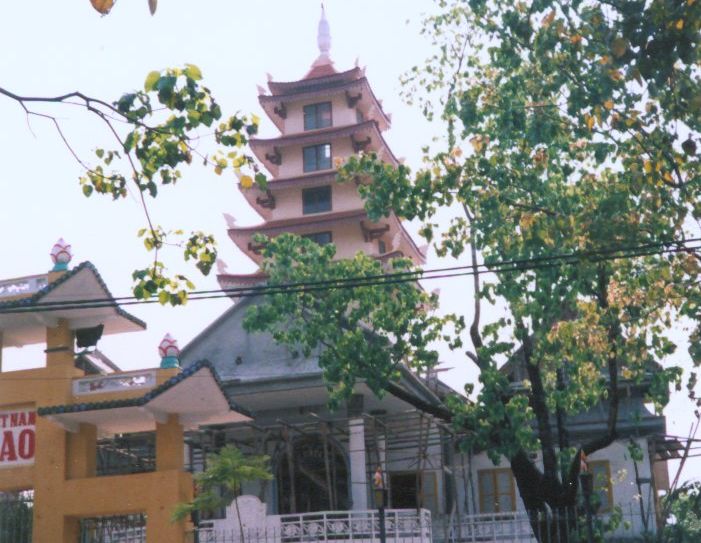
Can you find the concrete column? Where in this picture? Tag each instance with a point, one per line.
(358, 464)
(1, 345)
(169, 445)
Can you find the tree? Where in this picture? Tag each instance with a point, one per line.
(221, 482)
(683, 524)
(571, 161)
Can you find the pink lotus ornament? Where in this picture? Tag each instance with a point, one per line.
(61, 255)
(169, 351)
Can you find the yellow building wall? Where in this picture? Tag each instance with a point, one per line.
(63, 473)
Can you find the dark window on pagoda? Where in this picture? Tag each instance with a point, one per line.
(317, 157)
(322, 238)
(317, 116)
(381, 247)
(359, 117)
(316, 200)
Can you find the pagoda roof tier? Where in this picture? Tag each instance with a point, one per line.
(389, 227)
(357, 92)
(241, 280)
(365, 136)
(310, 83)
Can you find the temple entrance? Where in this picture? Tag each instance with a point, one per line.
(312, 476)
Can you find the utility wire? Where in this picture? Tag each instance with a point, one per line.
(507, 266)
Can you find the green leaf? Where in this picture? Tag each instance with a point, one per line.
(151, 80)
(163, 297)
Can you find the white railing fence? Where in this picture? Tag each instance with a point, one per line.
(401, 526)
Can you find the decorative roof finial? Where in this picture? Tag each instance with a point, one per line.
(169, 351)
(323, 39)
(61, 255)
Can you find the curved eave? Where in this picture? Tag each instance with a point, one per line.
(266, 149)
(241, 236)
(416, 253)
(282, 88)
(274, 105)
(229, 281)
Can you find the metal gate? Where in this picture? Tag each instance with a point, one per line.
(118, 529)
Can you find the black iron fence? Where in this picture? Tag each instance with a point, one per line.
(130, 453)
(16, 513)
(118, 529)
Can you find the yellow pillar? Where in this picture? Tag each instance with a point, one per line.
(82, 453)
(49, 475)
(59, 345)
(170, 441)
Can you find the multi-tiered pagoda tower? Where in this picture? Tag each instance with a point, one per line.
(323, 118)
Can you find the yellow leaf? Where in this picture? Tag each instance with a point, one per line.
(608, 104)
(218, 169)
(255, 119)
(548, 19)
(246, 181)
(589, 121)
(680, 24)
(103, 6)
(527, 220)
(619, 46)
(647, 166)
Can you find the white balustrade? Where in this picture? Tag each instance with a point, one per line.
(19, 287)
(118, 382)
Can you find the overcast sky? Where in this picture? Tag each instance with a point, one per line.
(51, 47)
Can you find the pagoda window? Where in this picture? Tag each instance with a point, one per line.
(381, 246)
(317, 116)
(322, 238)
(317, 157)
(316, 200)
(359, 117)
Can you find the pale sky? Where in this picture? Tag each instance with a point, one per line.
(50, 48)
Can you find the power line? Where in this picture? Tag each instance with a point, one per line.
(507, 266)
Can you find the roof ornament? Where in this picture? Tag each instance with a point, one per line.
(169, 351)
(61, 255)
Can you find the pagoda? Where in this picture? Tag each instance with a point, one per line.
(323, 119)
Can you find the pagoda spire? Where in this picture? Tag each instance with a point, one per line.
(323, 65)
(323, 39)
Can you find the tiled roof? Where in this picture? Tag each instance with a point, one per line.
(323, 81)
(29, 301)
(150, 395)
